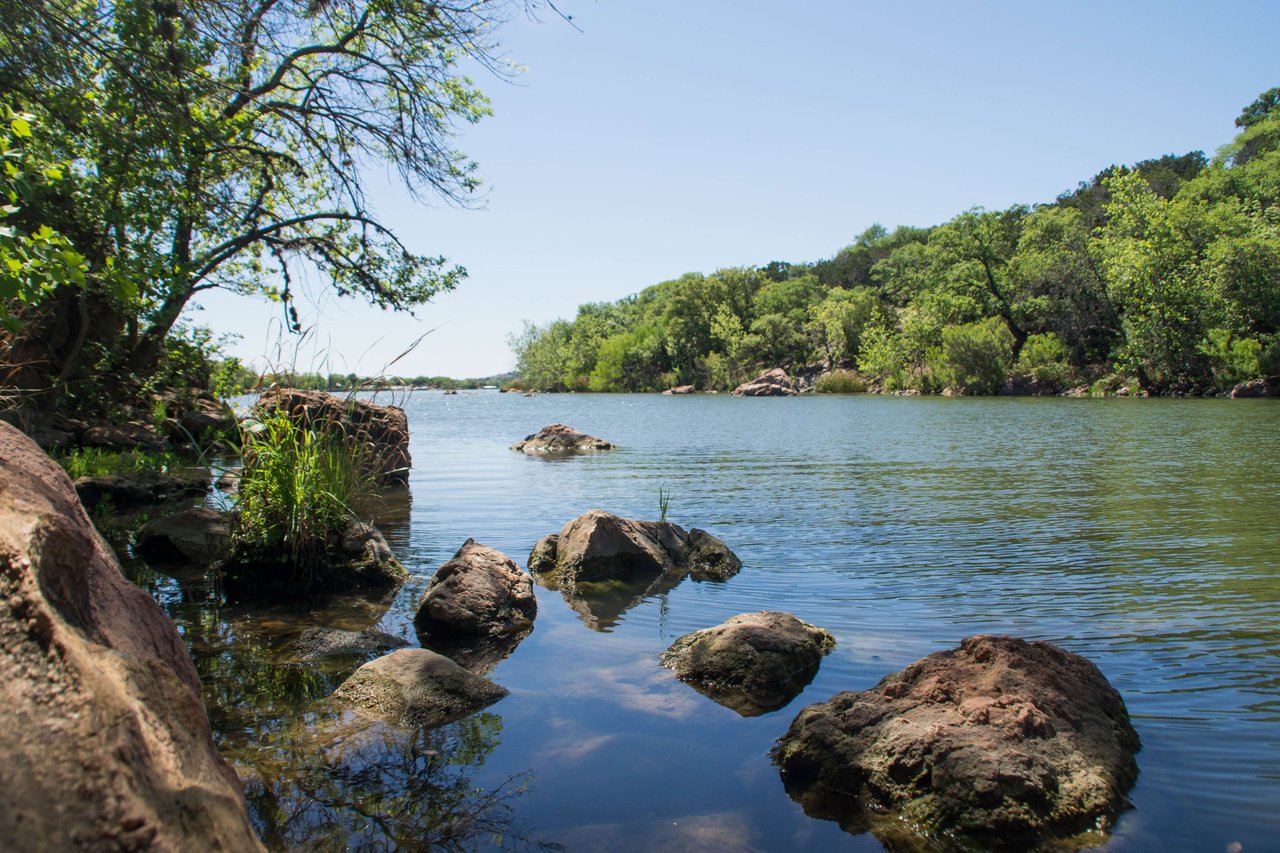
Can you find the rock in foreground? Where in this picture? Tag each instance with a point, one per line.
(477, 608)
(417, 687)
(772, 383)
(1002, 742)
(557, 439)
(753, 663)
(103, 731)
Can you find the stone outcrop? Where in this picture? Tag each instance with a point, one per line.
(197, 535)
(103, 731)
(357, 558)
(477, 608)
(753, 663)
(1268, 387)
(416, 687)
(1002, 742)
(380, 431)
(317, 643)
(123, 436)
(681, 389)
(604, 564)
(771, 383)
(126, 492)
(558, 439)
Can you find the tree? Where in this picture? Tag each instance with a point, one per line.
(215, 141)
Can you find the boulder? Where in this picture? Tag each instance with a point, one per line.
(229, 480)
(753, 663)
(357, 559)
(604, 565)
(126, 492)
(103, 729)
(1268, 387)
(196, 535)
(206, 415)
(1003, 743)
(416, 687)
(1028, 386)
(771, 383)
(557, 439)
(476, 608)
(382, 431)
(316, 643)
(681, 389)
(125, 436)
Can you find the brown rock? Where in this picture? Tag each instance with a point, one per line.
(126, 436)
(753, 663)
(316, 643)
(558, 438)
(105, 739)
(1268, 387)
(477, 607)
(382, 431)
(771, 383)
(1003, 742)
(681, 389)
(417, 687)
(124, 492)
(197, 535)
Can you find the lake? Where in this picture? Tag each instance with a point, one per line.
(1142, 534)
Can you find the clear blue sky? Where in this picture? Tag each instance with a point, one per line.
(664, 137)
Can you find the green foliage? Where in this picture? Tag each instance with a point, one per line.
(98, 462)
(840, 381)
(298, 487)
(975, 358)
(1044, 359)
(664, 502)
(1232, 359)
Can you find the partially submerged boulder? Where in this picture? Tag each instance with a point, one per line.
(604, 564)
(317, 643)
(416, 687)
(558, 439)
(103, 730)
(753, 663)
(380, 431)
(1002, 742)
(477, 608)
(680, 389)
(356, 558)
(197, 535)
(771, 383)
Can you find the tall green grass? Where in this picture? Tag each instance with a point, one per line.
(840, 382)
(100, 462)
(300, 487)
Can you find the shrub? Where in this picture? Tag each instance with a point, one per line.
(99, 462)
(1231, 358)
(1044, 359)
(840, 382)
(974, 358)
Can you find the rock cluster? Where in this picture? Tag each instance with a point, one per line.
(103, 730)
(753, 663)
(771, 383)
(1003, 742)
(558, 438)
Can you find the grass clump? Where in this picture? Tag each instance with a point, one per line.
(840, 381)
(99, 462)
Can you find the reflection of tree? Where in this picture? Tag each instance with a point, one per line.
(336, 781)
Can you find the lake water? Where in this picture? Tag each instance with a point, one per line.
(1142, 534)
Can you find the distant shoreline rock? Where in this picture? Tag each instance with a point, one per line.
(771, 383)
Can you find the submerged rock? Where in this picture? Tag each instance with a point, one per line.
(558, 438)
(196, 535)
(753, 663)
(477, 608)
(103, 731)
(604, 564)
(1002, 742)
(316, 643)
(416, 687)
(771, 383)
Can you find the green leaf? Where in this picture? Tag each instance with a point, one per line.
(21, 127)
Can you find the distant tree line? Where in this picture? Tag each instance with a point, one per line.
(1163, 276)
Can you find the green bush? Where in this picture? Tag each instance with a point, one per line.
(299, 488)
(1231, 359)
(99, 462)
(840, 382)
(974, 358)
(1044, 359)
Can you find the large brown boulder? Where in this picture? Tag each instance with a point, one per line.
(103, 732)
(1002, 742)
(416, 687)
(198, 535)
(771, 383)
(380, 431)
(753, 663)
(477, 608)
(1263, 387)
(555, 439)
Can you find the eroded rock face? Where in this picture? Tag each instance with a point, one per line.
(382, 431)
(753, 663)
(103, 731)
(198, 535)
(1003, 742)
(416, 687)
(772, 383)
(558, 439)
(604, 564)
(476, 608)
